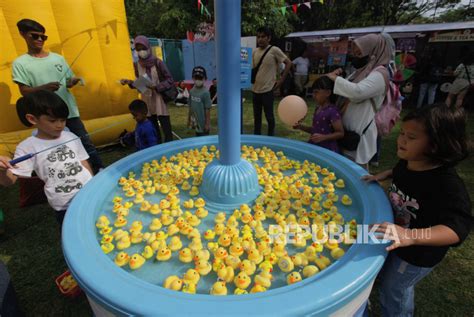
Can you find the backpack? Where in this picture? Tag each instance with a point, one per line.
(389, 112)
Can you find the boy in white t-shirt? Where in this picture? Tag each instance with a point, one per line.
(63, 166)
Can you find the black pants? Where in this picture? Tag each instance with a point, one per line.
(165, 125)
(76, 126)
(265, 101)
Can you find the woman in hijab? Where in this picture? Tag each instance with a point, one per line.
(363, 92)
(161, 80)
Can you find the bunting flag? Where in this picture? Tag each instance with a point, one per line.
(308, 4)
(199, 5)
(295, 8)
(283, 10)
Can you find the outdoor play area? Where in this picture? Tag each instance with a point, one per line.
(166, 196)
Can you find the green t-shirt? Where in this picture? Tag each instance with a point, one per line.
(37, 71)
(199, 101)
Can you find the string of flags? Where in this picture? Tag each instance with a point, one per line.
(295, 7)
(203, 9)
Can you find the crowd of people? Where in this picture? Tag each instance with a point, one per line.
(432, 139)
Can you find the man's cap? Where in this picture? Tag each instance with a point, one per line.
(199, 71)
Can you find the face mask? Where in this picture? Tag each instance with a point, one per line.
(143, 54)
(199, 83)
(359, 62)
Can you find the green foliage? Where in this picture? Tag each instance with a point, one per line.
(256, 14)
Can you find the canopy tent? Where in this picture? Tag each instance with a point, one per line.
(396, 31)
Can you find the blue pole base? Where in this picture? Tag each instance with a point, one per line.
(229, 185)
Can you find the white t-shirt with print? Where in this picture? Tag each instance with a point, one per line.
(59, 168)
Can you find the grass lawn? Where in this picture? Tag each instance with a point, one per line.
(31, 246)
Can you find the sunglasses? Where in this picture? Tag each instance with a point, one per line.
(36, 36)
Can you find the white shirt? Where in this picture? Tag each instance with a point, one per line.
(60, 167)
(360, 112)
(302, 65)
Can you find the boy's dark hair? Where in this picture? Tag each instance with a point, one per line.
(325, 83)
(27, 25)
(138, 106)
(265, 30)
(41, 102)
(446, 129)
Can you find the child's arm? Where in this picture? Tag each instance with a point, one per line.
(378, 177)
(336, 135)
(436, 236)
(86, 164)
(299, 126)
(7, 178)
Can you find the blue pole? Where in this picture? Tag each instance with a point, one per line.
(228, 76)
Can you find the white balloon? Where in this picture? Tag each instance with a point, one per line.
(292, 109)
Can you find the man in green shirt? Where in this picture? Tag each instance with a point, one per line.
(41, 70)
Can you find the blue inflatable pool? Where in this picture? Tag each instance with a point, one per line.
(341, 289)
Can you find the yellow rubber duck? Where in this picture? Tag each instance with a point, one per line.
(136, 261)
(346, 200)
(136, 237)
(209, 234)
(219, 288)
(166, 219)
(264, 279)
(203, 255)
(293, 277)
(219, 218)
(172, 230)
(163, 253)
(189, 288)
(236, 249)
(145, 206)
(121, 258)
(191, 276)
(107, 238)
(299, 259)
(186, 186)
(201, 212)
(322, 262)
(120, 222)
(232, 261)
(340, 183)
(310, 270)
(155, 224)
(285, 264)
(175, 243)
(242, 280)
(147, 252)
(221, 253)
(124, 242)
(186, 255)
(173, 282)
(193, 220)
(248, 267)
(257, 288)
(226, 274)
(139, 199)
(194, 191)
(203, 267)
(254, 256)
(161, 235)
(107, 247)
(212, 246)
(102, 222)
(337, 253)
(239, 291)
(188, 204)
(155, 209)
(195, 245)
(200, 203)
(224, 240)
(332, 244)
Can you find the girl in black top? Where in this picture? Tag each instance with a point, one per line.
(430, 203)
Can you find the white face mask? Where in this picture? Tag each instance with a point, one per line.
(199, 83)
(143, 54)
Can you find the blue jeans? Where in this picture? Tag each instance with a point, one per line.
(76, 126)
(431, 88)
(397, 286)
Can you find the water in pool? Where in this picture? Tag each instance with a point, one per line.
(157, 211)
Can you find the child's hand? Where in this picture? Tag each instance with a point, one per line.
(5, 162)
(151, 86)
(317, 137)
(401, 237)
(297, 125)
(369, 178)
(126, 81)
